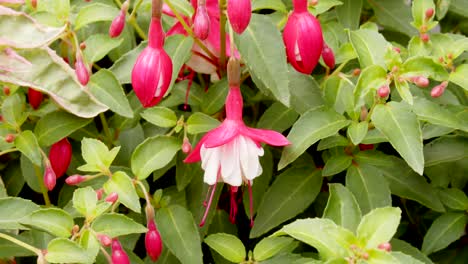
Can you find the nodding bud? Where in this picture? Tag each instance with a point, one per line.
(6, 90)
(60, 156)
(385, 246)
(99, 193)
(439, 89)
(153, 242)
(239, 13)
(119, 256)
(34, 3)
(383, 91)
(112, 197)
(421, 81)
(396, 49)
(83, 45)
(356, 72)
(49, 177)
(9, 138)
(425, 37)
(365, 256)
(75, 179)
(233, 72)
(429, 13)
(118, 24)
(34, 98)
(81, 70)
(201, 21)
(328, 56)
(186, 146)
(105, 240)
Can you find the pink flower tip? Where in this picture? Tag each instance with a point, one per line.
(105, 240)
(49, 178)
(421, 81)
(239, 13)
(99, 193)
(119, 256)
(429, 13)
(112, 197)
(75, 179)
(60, 156)
(82, 71)
(385, 246)
(383, 91)
(35, 98)
(186, 146)
(439, 90)
(153, 242)
(201, 21)
(328, 56)
(118, 23)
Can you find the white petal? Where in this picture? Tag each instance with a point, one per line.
(211, 165)
(232, 175)
(250, 161)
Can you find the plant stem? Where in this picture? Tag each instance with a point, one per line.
(44, 191)
(21, 244)
(8, 151)
(222, 34)
(105, 127)
(109, 259)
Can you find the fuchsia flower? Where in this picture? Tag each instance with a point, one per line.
(49, 177)
(119, 256)
(153, 242)
(328, 56)
(35, 98)
(303, 38)
(152, 72)
(60, 156)
(118, 23)
(239, 13)
(201, 21)
(230, 153)
(82, 71)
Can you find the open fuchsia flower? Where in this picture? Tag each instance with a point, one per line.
(303, 38)
(239, 13)
(230, 153)
(152, 72)
(118, 23)
(60, 156)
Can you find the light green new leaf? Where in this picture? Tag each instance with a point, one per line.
(454, 199)
(98, 46)
(342, 207)
(369, 82)
(90, 243)
(460, 76)
(338, 92)
(378, 226)
(446, 229)
(402, 129)
(60, 8)
(85, 201)
(122, 184)
(97, 156)
(53, 220)
(419, 9)
(199, 123)
(13, 110)
(270, 246)
(160, 116)
(13, 209)
(56, 125)
(123, 67)
(26, 142)
(424, 66)
(115, 225)
(94, 13)
(404, 91)
(370, 47)
(228, 246)
(62, 250)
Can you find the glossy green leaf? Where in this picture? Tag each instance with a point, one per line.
(26, 142)
(419, 9)
(115, 225)
(436, 114)
(53, 220)
(85, 201)
(270, 246)
(460, 76)
(404, 91)
(152, 154)
(378, 226)
(305, 91)
(369, 82)
(179, 233)
(98, 46)
(342, 207)
(199, 123)
(228, 246)
(402, 129)
(370, 47)
(97, 156)
(394, 15)
(277, 117)
(56, 125)
(160, 116)
(446, 229)
(213, 100)
(13, 108)
(454, 199)
(179, 48)
(290, 194)
(50, 74)
(13, 209)
(357, 131)
(336, 164)
(61, 250)
(332, 141)
(368, 186)
(94, 13)
(424, 66)
(263, 52)
(123, 67)
(122, 184)
(310, 128)
(349, 13)
(90, 243)
(445, 149)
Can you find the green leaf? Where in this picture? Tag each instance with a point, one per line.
(305, 91)
(60, 8)
(445, 149)
(21, 31)
(90, 243)
(404, 258)
(13, 209)
(394, 15)
(179, 233)
(332, 141)
(402, 129)
(85, 201)
(229, 246)
(160, 116)
(50, 74)
(263, 52)
(339, 93)
(436, 114)
(95, 12)
(26, 142)
(199, 123)
(369, 81)
(454, 199)
(179, 48)
(419, 9)
(357, 131)
(270, 246)
(312, 126)
(460, 76)
(277, 5)
(115, 225)
(213, 100)
(342, 207)
(106, 88)
(62, 250)
(323, 6)
(56, 125)
(13, 110)
(152, 154)
(53, 220)
(370, 47)
(446, 229)
(424, 66)
(123, 67)
(97, 156)
(408, 249)
(277, 117)
(290, 194)
(368, 186)
(336, 164)
(404, 91)
(377, 256)
(184, 7)
(121, 184)
(98, 46)
(378, 226)
(349, 13)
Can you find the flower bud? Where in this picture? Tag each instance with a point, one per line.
(99, 193)
(34, 98)
(75, 179)
(82, 45)
(105, 240)
(364, 147)
(356, 72)
(60, 156)
(385, 246)
(429, 13)
(118, 23)
(81, 70)
(9, 138)
(328, 56)
(112, 197)
(421, 81)
(49, 177)
(153, 242)
(383, 91)
(201, 21)
(119, 256)
(34, 3)
(186, 146)
(425, 37)
(439, 89)
(6, 90)
(397, 49)
(239, 13)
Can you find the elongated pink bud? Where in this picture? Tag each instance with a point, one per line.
(239, 13)
(328, 56)
(153, 242)
(421, 81)
(439, 90)
(383, 91)
(99, 193)
(118, 23)
(429, 13)
(49, 177)
(35, 98)
(60, 156)
(75, 179)
(81, 70)
(119, 256)
(385, 246)
(105, 240)
(112, 197)
(186, 146)
(201, 21)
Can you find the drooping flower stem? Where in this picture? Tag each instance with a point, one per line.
(222, 34)
(106, 129)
